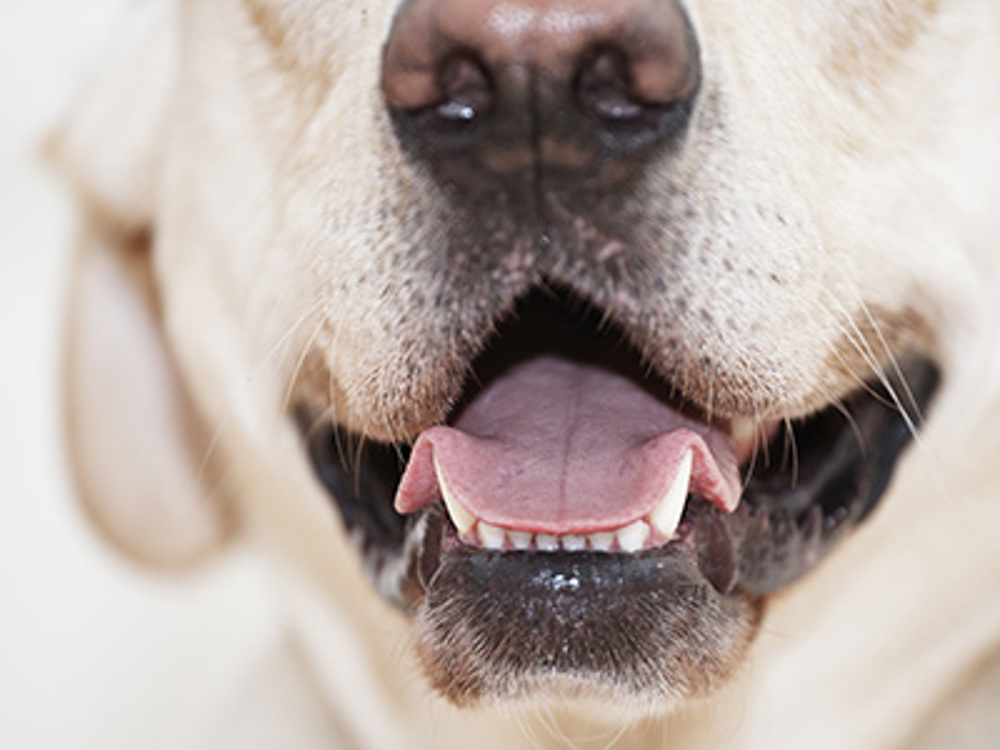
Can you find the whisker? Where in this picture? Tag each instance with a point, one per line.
(355, 468)
(911, 411)
(765, 446)
(855, 336)
(300, 364)
(527, 731)
(852, 423)
(758, 448)
(751, 466)
(894, 400)
(617, 737)
(287, 335)
(791, 450)
(224, 423)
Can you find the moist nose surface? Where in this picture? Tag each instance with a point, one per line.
(482, 89)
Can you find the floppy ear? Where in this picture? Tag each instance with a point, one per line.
(140, 453)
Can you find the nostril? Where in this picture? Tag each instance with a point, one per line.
(636, 102)
(446, 112)
(466, 87)
(604, 88)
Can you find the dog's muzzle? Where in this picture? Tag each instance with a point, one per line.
(575, 524)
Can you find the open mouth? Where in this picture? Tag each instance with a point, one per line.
(573, 498)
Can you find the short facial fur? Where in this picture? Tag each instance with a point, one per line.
(802, 235)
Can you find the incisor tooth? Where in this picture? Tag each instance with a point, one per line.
(462, 518)
(490, 536)
(632, 537)
(601, 541)
(667, 515)
(573, 542)
(546, 542)
(520, 539)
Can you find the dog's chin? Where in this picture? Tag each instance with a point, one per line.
(511, 602)
(505, 625)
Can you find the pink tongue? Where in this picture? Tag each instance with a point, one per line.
(560, 447)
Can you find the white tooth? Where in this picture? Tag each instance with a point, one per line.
(546, 542)
(520, 539)
(632, 537)
(667, 515)
(573, 542)
(490, 536)
(462, 518)
(602, 541)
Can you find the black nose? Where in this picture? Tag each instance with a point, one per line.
(567, 89)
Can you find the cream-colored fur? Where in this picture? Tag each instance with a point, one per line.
(232, 162)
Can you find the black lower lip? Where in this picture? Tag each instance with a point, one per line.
(505, 624)
(580, 576)
(569, 598)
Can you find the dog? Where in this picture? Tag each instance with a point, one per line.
(596, 374)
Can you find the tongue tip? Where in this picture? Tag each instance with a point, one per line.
(728, 504)
(418, 486)
(715, 475)
(723, 492)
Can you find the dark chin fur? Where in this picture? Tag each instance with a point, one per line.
(500, 627)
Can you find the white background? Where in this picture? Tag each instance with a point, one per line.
(81, 634)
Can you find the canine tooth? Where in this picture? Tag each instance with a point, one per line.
(601, 541)
(632, 537)
(462, 518)
(490, 536)
(520, 539)
(546, 542)
(667, 515)
(573, 542)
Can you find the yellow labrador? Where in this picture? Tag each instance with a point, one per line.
(640, 355)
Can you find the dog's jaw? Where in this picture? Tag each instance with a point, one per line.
(704, 262)
(499, 618)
